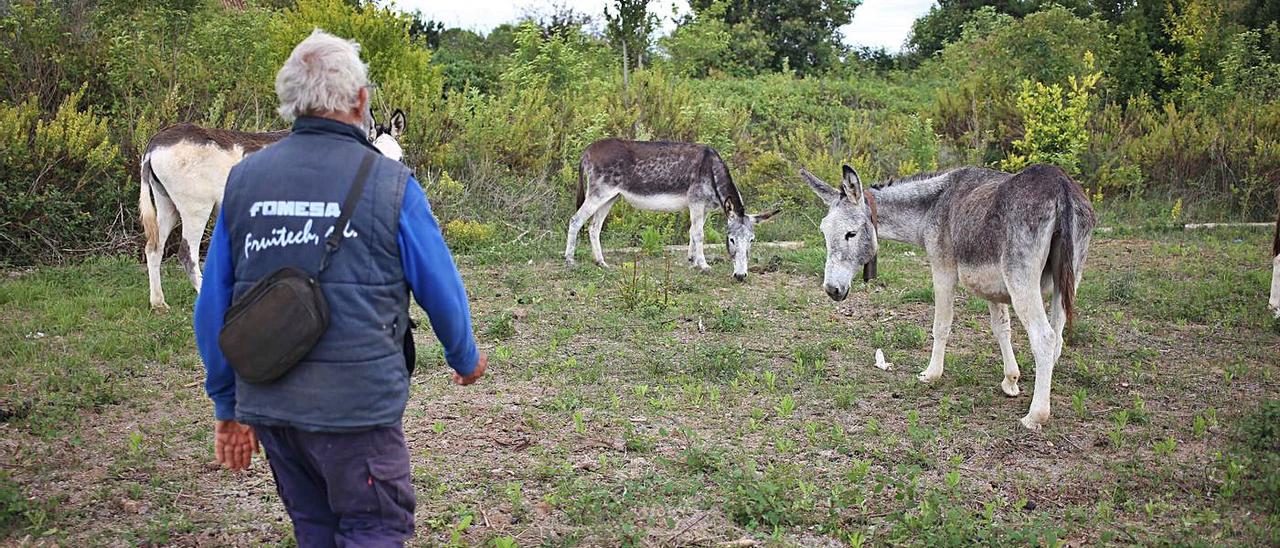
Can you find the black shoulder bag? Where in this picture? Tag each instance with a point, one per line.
(274, 324)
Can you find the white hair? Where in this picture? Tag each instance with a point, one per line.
(324, 74)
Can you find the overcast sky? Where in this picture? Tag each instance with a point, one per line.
(876, 23)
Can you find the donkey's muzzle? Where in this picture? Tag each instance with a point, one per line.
(740, 277)
(837, 294)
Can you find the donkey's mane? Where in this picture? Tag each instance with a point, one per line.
(731, 192)
(911, 178)
(712, 161)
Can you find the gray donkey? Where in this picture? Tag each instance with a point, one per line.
(662, 176)
(1010, 239)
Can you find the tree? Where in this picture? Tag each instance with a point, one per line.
(802, 35)
(470, 59)
(945, 21)
(562, 21)
(425, 29)
(628, 28)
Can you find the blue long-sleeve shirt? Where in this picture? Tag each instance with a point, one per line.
(428, 268)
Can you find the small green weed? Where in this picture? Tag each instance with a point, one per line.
(728, 320)
(773, 499)
(786, 407)
(1077, 402)
(906, 336)
(501, 326)
(719, 361)
(652, 240)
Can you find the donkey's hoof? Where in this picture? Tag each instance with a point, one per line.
(1030, 423)
(160, 308)
(602, 264)
(1010, 387)
(568, 261)
(1034, 419)
(928, 376)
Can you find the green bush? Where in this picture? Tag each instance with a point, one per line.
(984, 70)
(53, 176)
(464, 235)
(1054, 122)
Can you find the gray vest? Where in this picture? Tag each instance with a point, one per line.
(279, 206)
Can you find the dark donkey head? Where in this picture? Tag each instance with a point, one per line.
(387, 138)
(849, 229)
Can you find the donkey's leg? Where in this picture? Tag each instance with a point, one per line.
(944, 290)
(1058, 321)
(697, 222)
(692, 243)
(194, 222)
(166, 219)
(1274, 301)
(1028, 304)
(1003, 331)
(588, 207)
(597, 224)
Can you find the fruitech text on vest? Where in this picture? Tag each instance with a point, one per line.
(283, 236)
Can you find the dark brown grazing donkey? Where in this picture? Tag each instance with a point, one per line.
(662, 176)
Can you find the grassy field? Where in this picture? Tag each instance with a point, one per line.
(653, 405)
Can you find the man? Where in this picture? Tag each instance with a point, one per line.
(331, 426)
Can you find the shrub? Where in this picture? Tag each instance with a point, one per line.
(52, 191)
(984, 70)
(463, 235)
(1054, 122)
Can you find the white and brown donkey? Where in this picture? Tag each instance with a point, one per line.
(1009, 239)
(184, 172)
(1274, 302)
(662, 176)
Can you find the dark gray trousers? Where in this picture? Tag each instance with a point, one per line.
(343, 489)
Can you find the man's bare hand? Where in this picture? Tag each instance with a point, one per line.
(234, 444)
(475, 375)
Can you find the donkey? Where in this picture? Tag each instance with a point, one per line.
(185, 168)
(1010, 239)
(662, 176)
(1274, 302)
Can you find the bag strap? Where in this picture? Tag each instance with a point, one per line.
(348, 208)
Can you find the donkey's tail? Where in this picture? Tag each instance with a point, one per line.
(1062, 246)
(147, 208)
(582, 187)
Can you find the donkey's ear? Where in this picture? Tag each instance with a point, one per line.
(822, 189)
(766, 216)
(397, 124)
(729, 207)
(373, 126)
(851, 185)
